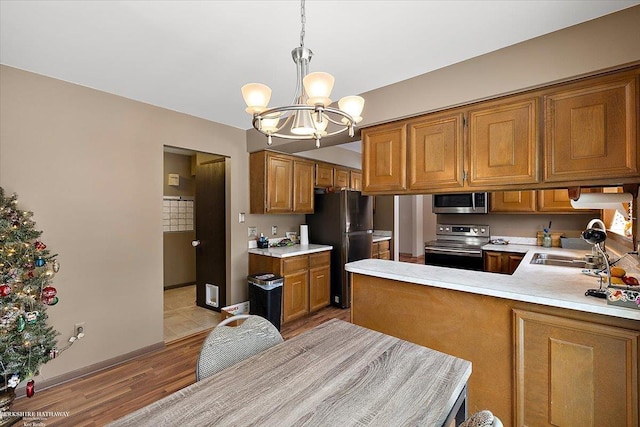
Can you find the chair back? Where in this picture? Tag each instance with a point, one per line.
(225, 345)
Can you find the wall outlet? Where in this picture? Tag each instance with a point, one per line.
(253, 231)
(79, 328)
(274, 230)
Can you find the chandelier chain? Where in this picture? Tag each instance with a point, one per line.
(303, 20)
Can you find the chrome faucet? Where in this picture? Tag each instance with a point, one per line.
(596, 237)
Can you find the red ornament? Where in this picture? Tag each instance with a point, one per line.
(49, 292)
(40, 246)
(5, 290)
(31, 389)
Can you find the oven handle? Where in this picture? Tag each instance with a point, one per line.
(452, 251)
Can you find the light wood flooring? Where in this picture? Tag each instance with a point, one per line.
(99, 398)
(102, 397)
(182, 317)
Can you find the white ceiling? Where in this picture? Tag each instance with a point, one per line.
(193, 56)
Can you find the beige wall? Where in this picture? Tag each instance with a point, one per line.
(90, 166)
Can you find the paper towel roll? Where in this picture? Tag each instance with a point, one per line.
(304, 234)
(602, 201)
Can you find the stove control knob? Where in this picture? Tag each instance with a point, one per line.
(446, 229)
(441, 228)
(475, 230)
(482, 230)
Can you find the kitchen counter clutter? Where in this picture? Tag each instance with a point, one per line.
(289, 251)
(554, 286)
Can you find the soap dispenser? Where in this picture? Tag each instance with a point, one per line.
(263, 243)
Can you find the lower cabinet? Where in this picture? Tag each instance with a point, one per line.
(533, 365)
(319, 281)
(574, 373)
(381, 250)
(307, 281)
(501, 262)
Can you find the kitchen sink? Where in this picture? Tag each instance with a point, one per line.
(558, 260)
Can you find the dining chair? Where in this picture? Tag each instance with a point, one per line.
(227, 345)
(482, 419)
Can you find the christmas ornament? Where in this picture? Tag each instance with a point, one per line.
(13, 381)
(31, 388)
(5, 290)
(50, 301)
(31, 316)
(56, 266)
(53, 353)
(21, 323)
(40, 262)
(8, 318)
(40, 246)
(49, 292)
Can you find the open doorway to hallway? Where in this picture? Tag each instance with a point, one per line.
(194, 243)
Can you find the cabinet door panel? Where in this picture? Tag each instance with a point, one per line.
(340, 178)
(574, 373)
(436, 152)
(302, 187)
(295, 298)
(384, 152)
(324, 175)
(356, 181)
(319, 287)
(513, 201)
(279, 184)
(590, 132)
(503, 143)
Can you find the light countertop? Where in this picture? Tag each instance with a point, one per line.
(288, 251)
(381, 235)
(549, 285)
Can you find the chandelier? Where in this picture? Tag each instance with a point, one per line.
(309, 116)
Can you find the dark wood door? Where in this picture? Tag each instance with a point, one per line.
(210, 232)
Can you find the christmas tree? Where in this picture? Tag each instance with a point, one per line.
(26, 272)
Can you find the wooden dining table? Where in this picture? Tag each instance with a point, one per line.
(336, 374)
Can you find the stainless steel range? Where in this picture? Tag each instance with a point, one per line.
(458, 246)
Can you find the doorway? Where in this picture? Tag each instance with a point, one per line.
(194, 243)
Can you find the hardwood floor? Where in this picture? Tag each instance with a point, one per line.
(100, 398)
(411, 259)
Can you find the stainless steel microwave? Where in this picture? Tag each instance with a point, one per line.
(466, 203)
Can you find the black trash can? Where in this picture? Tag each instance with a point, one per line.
(265, 296)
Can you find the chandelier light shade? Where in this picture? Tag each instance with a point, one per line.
(256, 96)
(309, 116)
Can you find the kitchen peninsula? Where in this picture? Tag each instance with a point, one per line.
(541, 350)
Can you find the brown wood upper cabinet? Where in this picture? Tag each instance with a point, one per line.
(503, 143)
(355, 180)
(280, 184)
(535, 201)
(384, 158)
(341, 178)
(324, 175)
(590, 139)
(591, 130)
(436, 152)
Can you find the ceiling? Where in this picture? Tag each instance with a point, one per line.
(193, 56)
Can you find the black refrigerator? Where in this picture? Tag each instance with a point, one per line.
(344, 220)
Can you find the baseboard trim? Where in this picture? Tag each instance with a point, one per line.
(91, 369)
(178, 285)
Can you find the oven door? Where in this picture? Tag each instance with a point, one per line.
(468, 259)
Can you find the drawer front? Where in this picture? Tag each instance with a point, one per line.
(293, 264)
(383, 246)
(319, 259)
